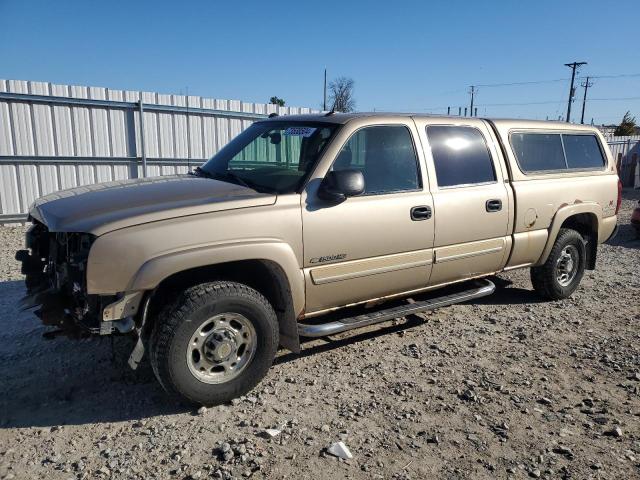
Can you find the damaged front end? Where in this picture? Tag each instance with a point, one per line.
(54, 266)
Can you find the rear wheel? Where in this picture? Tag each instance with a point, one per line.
(561, 274)
(214, 343)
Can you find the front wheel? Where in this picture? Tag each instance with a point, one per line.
(561, 274)
(214, 343)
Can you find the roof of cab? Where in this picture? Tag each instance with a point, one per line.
(342, 118)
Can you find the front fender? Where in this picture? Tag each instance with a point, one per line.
(561, 216)
(154, 270)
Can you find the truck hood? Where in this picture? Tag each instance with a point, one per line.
(105, 207)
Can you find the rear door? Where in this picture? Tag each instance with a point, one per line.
(472, 203)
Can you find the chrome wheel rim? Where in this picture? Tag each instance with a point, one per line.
(221, 348)
(567, 265)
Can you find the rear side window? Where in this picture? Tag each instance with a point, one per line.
(583, 151)
(538, 151)
(552, 152)
(460, 156)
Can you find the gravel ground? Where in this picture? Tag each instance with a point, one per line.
(506, 387)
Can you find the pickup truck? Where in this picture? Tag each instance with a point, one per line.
(307, 226)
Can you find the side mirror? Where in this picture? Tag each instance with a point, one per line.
(340, 184)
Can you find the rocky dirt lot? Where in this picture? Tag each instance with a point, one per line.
(505, 387)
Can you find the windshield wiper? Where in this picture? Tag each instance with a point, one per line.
(235, 179)
(231, 177)
(199, 172)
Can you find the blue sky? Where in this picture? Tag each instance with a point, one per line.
(410, 56)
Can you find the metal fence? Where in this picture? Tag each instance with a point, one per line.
(54, 137)
(626, 151)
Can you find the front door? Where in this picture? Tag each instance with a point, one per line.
(471, 199)
(376, 244)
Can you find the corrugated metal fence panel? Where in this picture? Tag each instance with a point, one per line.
(53, 143)
(613, 138)
(624, 147)
(62, 119)
(626, 151)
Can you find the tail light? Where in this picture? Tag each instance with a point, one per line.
(619, 202)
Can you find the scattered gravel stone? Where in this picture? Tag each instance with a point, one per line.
(272, 432)
(453, 396)
(340, 450)
(562, 450)
(615, 432)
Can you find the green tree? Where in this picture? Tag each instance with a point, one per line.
(276, 101)
(627, 126)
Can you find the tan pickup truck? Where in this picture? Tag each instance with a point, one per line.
(312, 225)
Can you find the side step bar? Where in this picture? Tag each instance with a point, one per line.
(482, 288)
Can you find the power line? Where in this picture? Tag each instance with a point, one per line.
(613, 99)
(550, 102)
(622, 75)
(516, 104)
(555, 80)
(511, 84)
(544, 102)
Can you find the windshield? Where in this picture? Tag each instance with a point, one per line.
(271, 156)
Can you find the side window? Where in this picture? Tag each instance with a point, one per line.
(538, 151)
(386, 157)
(583, 151)
(460, 156)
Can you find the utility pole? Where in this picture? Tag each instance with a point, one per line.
(586, 86)
(324, 101)
(572, 91)
(472, 92)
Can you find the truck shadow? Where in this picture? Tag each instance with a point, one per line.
(626, 237)
(69, 382)
(502, 296)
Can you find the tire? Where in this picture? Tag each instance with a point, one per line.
(548, 279)
(192, 335)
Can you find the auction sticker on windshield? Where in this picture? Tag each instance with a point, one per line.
(300, 131)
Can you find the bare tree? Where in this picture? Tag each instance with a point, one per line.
(341, 94)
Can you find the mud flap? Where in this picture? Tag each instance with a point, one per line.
(136, 355)
(138, 351)
(289, 340)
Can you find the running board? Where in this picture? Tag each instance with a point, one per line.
(482, 288)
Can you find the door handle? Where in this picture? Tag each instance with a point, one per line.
(421, 212)
(494, 205)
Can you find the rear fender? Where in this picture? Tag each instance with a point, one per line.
(561, 216)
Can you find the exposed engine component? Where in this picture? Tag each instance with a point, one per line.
(55, 269)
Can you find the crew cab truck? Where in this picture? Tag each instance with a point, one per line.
(301, 216)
